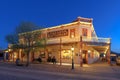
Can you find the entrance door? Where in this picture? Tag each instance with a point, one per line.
(85, 57)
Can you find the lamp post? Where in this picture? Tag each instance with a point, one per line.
(72, 49)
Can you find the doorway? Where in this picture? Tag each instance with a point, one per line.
(85, 57)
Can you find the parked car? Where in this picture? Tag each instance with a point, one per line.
(118, 60)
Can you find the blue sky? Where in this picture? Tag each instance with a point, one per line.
(105, 14)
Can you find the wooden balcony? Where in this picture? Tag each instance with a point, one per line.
(88, 40)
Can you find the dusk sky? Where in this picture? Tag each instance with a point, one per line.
(46, 13)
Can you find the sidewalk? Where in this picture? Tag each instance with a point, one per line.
(64, 68)
(96, 71)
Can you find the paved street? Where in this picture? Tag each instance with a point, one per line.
(8, 71)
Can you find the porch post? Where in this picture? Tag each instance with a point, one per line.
(22, 55)
(13, 57)
(109, 52)
(32, 56)
(46, 54)
(5, 56)
(60, 52)
(92, 54)
(45, 50)
(81, 60)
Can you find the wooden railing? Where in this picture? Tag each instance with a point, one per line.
(76, 39)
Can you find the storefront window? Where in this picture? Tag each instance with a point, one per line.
(49, 54)
(66, 54)
(42, 54)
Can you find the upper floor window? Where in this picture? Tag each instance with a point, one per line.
(84, 31)
(42, 35)
(72, 33)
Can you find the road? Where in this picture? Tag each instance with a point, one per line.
(93, 72)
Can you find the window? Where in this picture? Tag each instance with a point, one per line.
(84, 32)
(42, 54)
(66, 54)
(72, 33)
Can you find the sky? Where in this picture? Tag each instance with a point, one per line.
(46, 13)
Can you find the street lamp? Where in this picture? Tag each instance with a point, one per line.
(89, 51)
(72, 49)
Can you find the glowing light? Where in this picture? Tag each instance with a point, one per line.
(72, 48)
(104, 55)
(89, 51)
(15, 56)
(72, 36)
(6, 51)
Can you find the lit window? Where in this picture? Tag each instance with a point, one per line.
(66, 54)
(72, 33)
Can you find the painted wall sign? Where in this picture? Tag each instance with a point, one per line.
(58, 33)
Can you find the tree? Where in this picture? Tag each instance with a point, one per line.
(31, 41)
(27, 38)
(12, 39)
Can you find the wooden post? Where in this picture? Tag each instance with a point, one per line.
(13, 57)
(46, 54)
(18, 55)
(5, 56)
(32, 56)
(92, 54)
(22, 55)
(109, 51)
(45, 50)
(60, 52)
(81, 61)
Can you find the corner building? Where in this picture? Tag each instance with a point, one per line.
(80, 35)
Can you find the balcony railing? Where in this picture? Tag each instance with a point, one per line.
(76, 39)
(96, 39)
